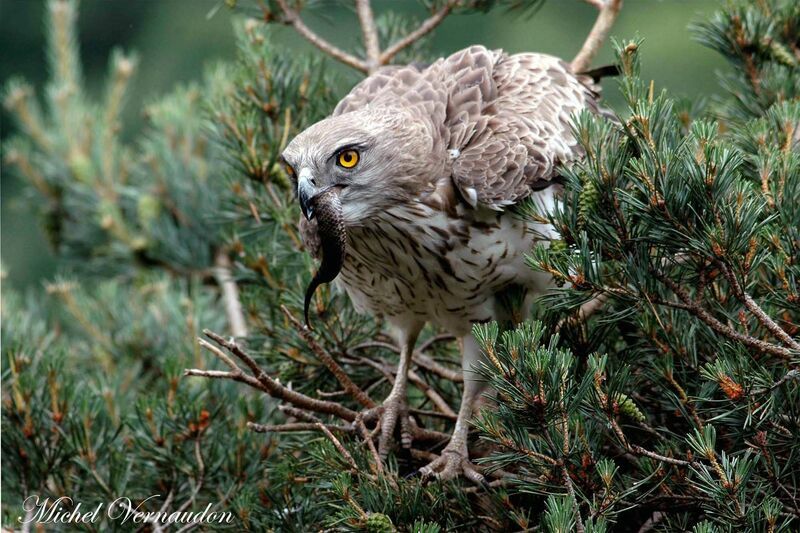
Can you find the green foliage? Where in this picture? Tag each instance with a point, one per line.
(89, 387)
(108, 205)
(688, 226)
(677, 403)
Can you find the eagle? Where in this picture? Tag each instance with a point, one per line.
(407, 191)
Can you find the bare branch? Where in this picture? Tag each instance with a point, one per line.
(371, 44)
(338, 445)
(433, 367)
(387, 370)
(293, 19)
(230, 295)
(422, 30)
(419, 358)
(276, 390)
(326, 359)
(222, 356)
(442, 337)
(295, 426)
(640, 451)
(211, 374)
(584, 311)
(377, 464)
(609, 10)
(718, 326)
(434, 396)
(261, 381)
(754, 308)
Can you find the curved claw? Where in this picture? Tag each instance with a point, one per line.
(451, 464)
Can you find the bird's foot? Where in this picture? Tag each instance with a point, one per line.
(452, 463)
(393, 411)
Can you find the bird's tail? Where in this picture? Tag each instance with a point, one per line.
(599, 73)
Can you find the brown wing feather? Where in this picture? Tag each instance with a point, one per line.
(508, 117)
(518, 130)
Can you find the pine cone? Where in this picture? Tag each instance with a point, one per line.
(379, 523)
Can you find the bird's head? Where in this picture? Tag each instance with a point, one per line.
(347, 168)
(371, 158)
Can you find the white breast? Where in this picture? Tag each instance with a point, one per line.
(414, 263)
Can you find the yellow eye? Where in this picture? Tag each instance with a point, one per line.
(348, 159)
(289, 170)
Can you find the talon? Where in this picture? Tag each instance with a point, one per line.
(393, 410)
(452, 463)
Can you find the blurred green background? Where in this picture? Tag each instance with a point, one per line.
(176, 38)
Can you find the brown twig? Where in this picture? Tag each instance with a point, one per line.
(275, 389)
(326, 359)
(370, 33)
(427, 362)
(365, 434)
(640, 451)
(422, 30)
(691, 306)
(442, 337)
(230, 295)
(291, 427)
(422, 360)
(338, 445)
(754, 308)
(293, 18)
(684, 398)
(261, 381)
(609, 10)
(432, 394)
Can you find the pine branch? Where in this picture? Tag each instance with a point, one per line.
(293, 19)
(275, 389)
(691, 306)
(230, 295)
(427, 26)
(263, 382)
(609, 11)
(370, 33)
(326, 359)
(754, 308)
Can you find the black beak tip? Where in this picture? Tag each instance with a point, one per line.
(305, 197)
(307, 210)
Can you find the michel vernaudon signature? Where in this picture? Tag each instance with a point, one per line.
(64, 510)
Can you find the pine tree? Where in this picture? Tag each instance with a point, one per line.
(657, 388)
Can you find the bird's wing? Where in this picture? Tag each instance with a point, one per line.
(390, 84)
(509, 120)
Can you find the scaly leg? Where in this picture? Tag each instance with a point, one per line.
(454, 459)
(395, 406)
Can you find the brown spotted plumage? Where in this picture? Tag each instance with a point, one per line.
(443, 152)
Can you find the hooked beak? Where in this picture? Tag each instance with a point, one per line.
(307, 191)
(333, 239)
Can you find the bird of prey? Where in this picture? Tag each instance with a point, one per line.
(406, 190)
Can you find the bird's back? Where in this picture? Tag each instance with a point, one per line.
(500, 126)
(502, 120)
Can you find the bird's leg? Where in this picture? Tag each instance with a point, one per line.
(395, 406)
(454, 459)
